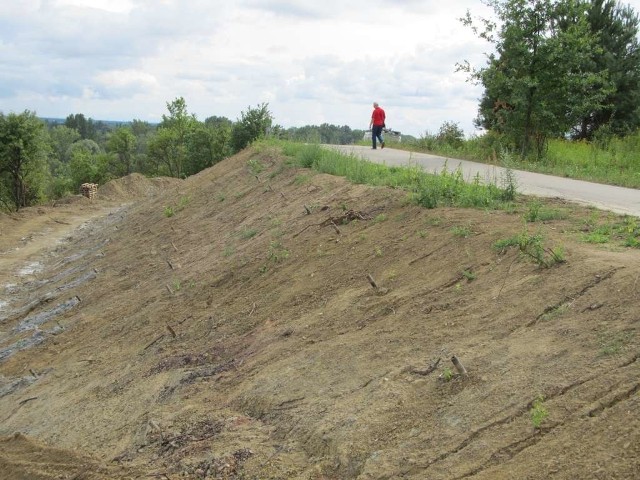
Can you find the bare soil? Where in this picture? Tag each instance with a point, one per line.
(227, 326)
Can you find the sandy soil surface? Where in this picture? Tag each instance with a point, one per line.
(227, 326)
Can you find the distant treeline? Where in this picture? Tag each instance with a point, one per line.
(47, 158)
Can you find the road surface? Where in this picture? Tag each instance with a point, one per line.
(620, 200)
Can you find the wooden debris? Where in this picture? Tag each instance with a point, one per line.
(172, 331)
(346, 217)
(428, 370)
(22, 402)
(372, 281)
(89, 190)
(156, 340)
(459, 367)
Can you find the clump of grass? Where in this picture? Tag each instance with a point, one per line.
(538, 413)
(532, 246)
(554, 312)
(277, 252)
(469, 275)
(625, 231)
(255, 166)
(462, 231)
(247, 233)
(380, 218)
(537, 212)
(613, 343)
(447, 374)
(170, 211)
(302, 179)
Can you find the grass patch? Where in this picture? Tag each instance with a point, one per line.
(538, 413)
(277, 253)
(247, 233)
(625, 231)
(532, 246)
(554, 312)
(446, 188)
(538, 212)
(613, 343)
(462, 231)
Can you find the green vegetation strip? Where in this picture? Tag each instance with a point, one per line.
(447, 188)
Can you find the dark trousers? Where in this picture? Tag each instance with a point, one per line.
(376, 132)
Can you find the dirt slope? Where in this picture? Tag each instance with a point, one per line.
(211, 328)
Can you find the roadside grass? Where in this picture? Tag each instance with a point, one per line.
(624, 231)
(447, 188)
(612, 160)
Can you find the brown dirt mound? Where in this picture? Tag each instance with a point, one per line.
(240, 337)
(136, 186)
(23, 459)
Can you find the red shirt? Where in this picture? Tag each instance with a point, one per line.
(378, 116)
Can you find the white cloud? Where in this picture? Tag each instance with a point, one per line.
(313, 62)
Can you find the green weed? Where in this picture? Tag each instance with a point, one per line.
(255, 166)
(380, 218)
(277, 252)
(462, 231)
(537, 212)
(613, 343)
(469, 275)
(247, 233)
(555, 312)
(538, 413)
(302, 179)
(532, 246)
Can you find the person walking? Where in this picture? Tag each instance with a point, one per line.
(377, 124)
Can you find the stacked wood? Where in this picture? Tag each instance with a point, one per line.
(89, 190)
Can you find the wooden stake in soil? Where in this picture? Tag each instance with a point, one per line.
(372, 281)
(459, 367)
(154, 341)
(172, 331)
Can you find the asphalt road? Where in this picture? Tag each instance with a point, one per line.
(620, 200)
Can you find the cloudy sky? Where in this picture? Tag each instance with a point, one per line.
(311, 61)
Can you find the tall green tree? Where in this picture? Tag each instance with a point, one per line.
(85, 127)
(122, 143)
(540, 81)
(616, 28)
(208, 144)
(254, 123)
(24, 147)
(62, 137)
(169, 147)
